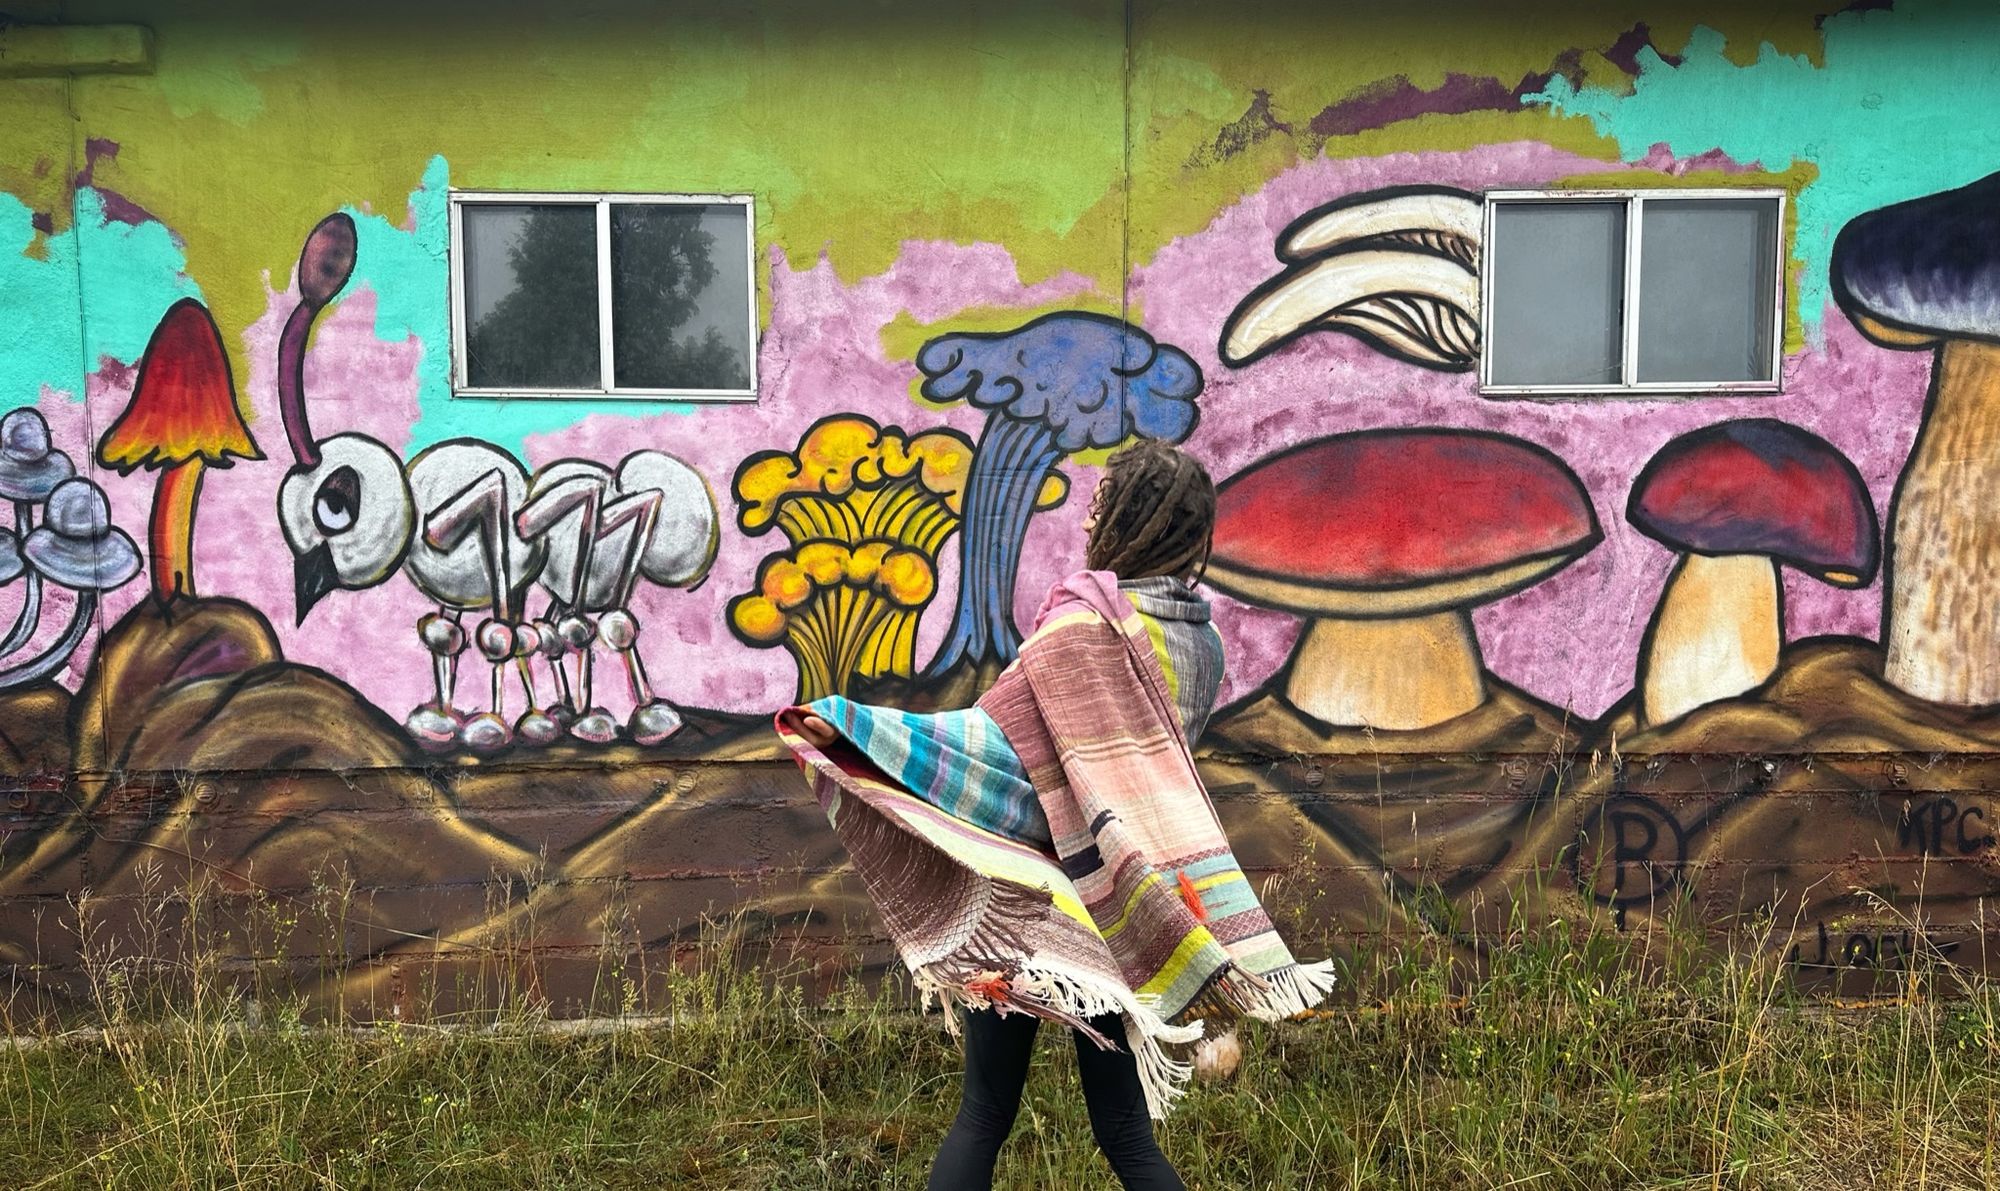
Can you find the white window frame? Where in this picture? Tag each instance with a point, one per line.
(1629, 384)
(603, 201)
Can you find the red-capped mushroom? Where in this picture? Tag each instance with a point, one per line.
(1737, 499)
(1386, 539)
(182, 419)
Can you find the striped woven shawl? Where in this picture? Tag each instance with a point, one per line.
(1140, 909)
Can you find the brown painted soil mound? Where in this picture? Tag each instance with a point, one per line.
(1852, 821)
(34, 732)
(1381, 830)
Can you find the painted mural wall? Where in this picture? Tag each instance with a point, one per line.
(287, 621)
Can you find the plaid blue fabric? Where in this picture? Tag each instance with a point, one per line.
(961, 763)
(958, 761)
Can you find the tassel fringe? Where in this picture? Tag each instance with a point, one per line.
(1074, 998)
(1277, 995)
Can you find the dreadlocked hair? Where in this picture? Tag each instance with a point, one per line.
(1154, 512)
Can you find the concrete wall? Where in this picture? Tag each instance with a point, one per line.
(1110, 184)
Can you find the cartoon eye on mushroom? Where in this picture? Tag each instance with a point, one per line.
(1738, 499)
(1385, 540)
(30, 469)
(1396, 268)
(77, 547)
(1922, 275)
(181, 421)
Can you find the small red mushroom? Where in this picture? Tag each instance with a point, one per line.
(1386, 539)
(1737, 499)
(182, 419)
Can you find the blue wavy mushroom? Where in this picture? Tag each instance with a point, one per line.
(1058, 385)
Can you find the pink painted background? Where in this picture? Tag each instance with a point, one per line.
(1572, 640)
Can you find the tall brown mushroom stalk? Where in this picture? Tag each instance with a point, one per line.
(1925, 274)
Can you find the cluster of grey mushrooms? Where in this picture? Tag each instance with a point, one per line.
(74, 546)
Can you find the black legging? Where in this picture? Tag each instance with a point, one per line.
(997, 1050)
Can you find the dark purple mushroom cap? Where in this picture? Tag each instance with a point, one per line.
(1915, 272)
(1760, 486)
(327, 260)
(11, 565)
(77, 546)
(29, 467)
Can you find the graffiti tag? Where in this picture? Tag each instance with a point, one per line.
(1631, 855)
(1941, 825)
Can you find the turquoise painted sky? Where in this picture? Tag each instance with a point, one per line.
(1903, 106)
(129, 276)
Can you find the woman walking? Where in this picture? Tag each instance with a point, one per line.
(1051, 853)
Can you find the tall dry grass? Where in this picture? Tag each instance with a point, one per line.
(1566, 1063)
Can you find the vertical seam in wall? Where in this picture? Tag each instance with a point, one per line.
(1125, 187)
(88, 464)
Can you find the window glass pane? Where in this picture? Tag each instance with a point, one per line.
(1558, 291)
(680, 296)
(1707, 279)
(531, 295)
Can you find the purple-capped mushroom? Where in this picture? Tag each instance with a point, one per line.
(1925, 275)
(1736, 500)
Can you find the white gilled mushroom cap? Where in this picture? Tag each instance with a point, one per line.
(30, 468)
(1447, 221)
(11, 565)
(76, 544)
(1397, 269)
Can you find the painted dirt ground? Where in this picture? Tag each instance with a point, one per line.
(284, 618)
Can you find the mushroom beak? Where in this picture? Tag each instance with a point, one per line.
(313, 576)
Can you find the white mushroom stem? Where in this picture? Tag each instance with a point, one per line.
(1715, 634)
(1398, 675)
(29, 617)
(1939, 626)
(82, 616)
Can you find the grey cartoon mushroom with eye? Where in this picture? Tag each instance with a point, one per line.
(1737, 499)
(77, 547)
(30, 469)
(1396, 268)
(353, 516)
(653, 519)
(1925, 274)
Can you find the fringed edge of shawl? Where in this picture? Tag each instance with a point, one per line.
(1275, 996)
(1073, 998)
(998, 950)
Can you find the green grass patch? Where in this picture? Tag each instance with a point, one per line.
(1565, 1064)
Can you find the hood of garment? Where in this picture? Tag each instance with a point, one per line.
(1164, 597)
(1161, 596)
